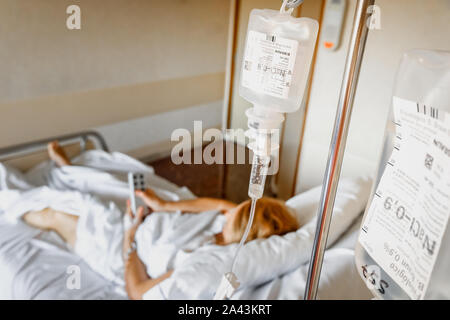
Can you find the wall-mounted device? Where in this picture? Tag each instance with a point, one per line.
(332, 23)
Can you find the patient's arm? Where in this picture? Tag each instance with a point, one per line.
(192, 205)
(137, 282)
(199, 205)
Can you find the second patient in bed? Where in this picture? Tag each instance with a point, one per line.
(272, 217)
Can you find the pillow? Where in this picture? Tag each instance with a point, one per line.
(262, 260)
(351, 199)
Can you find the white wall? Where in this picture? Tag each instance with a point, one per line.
(405, 24)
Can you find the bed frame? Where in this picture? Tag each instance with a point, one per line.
(24, 156)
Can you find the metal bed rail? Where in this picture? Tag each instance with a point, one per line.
(38, 145)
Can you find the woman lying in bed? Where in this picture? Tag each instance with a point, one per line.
(272, 217)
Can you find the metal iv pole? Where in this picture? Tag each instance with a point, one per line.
(337, 145)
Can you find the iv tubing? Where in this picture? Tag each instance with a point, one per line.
(247, 230)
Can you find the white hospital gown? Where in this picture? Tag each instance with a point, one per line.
(163, 239)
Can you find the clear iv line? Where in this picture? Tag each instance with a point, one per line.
(256, 190)
(245, 236)
(230, 283)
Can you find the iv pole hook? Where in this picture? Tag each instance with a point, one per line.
(293, 3)
(290, 5)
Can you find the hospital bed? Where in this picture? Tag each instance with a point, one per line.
(25, 156)
(36, 264)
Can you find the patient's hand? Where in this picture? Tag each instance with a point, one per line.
(151, 199)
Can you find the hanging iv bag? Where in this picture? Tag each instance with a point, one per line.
(274, 73)
(275, 69)
(277, 59)
(403, 248)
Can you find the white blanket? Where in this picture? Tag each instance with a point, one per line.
(197, 273)
(100, 174)
(96, 196)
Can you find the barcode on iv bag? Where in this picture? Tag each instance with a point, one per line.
(429, 111)
(271, 38)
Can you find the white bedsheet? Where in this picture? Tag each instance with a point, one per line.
(33, 264)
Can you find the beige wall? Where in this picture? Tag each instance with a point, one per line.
(131, 58)
(54, 115)
(406, 24)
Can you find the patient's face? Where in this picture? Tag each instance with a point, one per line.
(271, 217)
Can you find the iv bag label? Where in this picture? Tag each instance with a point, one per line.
(269, 64)
(408, 216)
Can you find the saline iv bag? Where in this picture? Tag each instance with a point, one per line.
(403, 249)
(275, 69)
